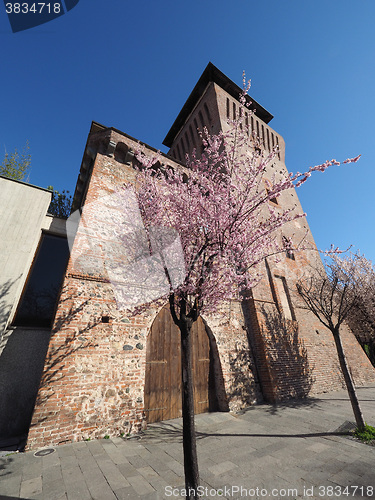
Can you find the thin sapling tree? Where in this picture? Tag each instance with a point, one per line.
(361, 318)
(342, 291)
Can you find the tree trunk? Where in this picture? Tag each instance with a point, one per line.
(188, 431)
(348, 381)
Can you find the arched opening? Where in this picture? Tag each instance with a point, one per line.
(120, 152)
(162, 396)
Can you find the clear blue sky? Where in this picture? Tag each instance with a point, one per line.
(131, 65)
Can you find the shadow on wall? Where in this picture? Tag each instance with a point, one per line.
(5, 307)
(21, 365)
(245, 382)
(27, 376)
(289, 366)
(61, 350)
(22, 353)
(218, 400)
(243, 387)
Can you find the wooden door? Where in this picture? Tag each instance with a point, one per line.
(163, 368)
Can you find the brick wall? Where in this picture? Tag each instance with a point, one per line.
(94, 374)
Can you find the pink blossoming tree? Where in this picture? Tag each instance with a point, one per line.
(221, 210)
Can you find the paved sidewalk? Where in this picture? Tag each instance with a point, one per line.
(293, 450)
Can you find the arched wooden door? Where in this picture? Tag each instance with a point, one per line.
(163, 368)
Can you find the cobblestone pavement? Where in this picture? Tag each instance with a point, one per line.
(294, 450)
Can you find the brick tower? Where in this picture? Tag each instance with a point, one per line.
(295, 357)
(107, 373)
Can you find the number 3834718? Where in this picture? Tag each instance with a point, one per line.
(34, 8)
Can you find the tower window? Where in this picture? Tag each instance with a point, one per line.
(187, 142)
(183, 147)
(208, 114)
(179, 153)
(192, 136)
(196, 126)
(201, 118)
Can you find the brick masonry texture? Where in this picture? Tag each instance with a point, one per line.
(93, 382)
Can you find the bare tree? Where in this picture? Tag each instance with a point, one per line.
(362, 317)
(334, 295)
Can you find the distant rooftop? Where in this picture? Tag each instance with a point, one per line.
(211, 74)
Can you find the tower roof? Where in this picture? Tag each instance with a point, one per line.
(211, 74)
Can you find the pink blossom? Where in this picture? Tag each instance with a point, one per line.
(221, 210)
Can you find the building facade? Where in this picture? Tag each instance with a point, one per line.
(108, 373)
(32, 265)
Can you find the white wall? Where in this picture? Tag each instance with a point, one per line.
(23, 209)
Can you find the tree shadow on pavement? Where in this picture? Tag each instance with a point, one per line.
(275, 408)
(171, 431)
(4, 464)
